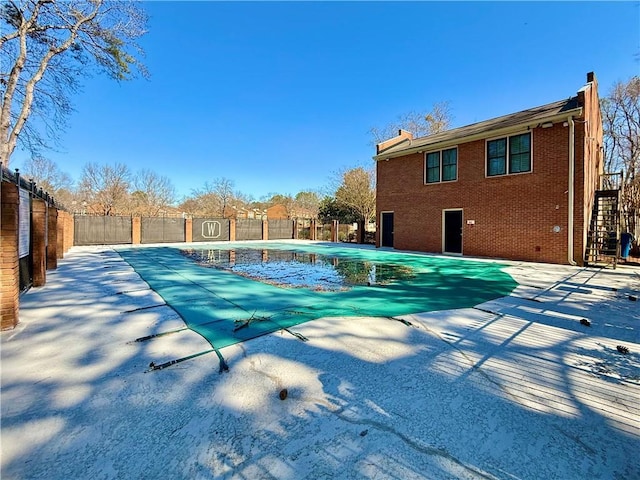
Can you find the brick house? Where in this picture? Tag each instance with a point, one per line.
(287, 212)
(520, 186)
(278, 212)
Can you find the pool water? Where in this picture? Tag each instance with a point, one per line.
(292, 269)
(234, 292)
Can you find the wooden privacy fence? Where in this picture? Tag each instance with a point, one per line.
(162, 230)
(102, 230)
(280, 229)
(115, 230)
(252, 229)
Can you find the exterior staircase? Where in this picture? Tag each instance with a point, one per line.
(603, 240)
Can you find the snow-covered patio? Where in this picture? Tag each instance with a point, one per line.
(515, 388)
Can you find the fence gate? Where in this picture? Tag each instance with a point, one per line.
(161, 230)
(280, 229)
(101, 230)
(210, 230)
(248, 229)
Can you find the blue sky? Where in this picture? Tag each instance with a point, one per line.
(278, 96)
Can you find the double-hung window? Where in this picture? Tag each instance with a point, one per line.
(441, 166)
(509, 155)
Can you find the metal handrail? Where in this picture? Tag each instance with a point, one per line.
(611, 181)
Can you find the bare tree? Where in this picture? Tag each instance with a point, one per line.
(223, 189)
(357, 193)
(216, 198)
(420, 124)
(202, 202)
(105, 188)
(307, 203)
(621, 124)
(45, 47)
(46, 175)
(152, 193)
(193, 207)
(66, 198)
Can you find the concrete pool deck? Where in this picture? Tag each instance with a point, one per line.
(515, 388)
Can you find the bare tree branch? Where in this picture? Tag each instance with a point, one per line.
(47, 47)
(420, 124)
(105, 188)
(621, 124)
(216, 198)
(152, 193)
(46, 174)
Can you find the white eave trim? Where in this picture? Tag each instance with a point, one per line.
(450, 142)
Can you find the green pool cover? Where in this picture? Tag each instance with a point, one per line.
(226, 308)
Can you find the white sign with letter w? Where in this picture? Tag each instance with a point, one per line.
(211, 229)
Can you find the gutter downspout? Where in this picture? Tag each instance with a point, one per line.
(572, 167)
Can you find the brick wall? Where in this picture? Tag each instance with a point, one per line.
(52, 240)
(277, 212)
(136, 230)
(65, 222)
(589, 140)
(48, 229)
(38, 241)
(60, 237)
(514, 215)
(9, 270)
(188, 230)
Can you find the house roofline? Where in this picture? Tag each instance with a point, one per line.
(448, 142)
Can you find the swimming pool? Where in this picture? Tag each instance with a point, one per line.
(233, 292)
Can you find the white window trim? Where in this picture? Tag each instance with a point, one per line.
(424, 166)
(508, 174)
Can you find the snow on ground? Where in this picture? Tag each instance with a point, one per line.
(516, 388)
(317, 276)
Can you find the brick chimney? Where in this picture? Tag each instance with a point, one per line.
(403, 135)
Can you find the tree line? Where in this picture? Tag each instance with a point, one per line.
(113, 189)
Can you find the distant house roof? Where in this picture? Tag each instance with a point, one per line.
(532, 117)
(277, 212)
